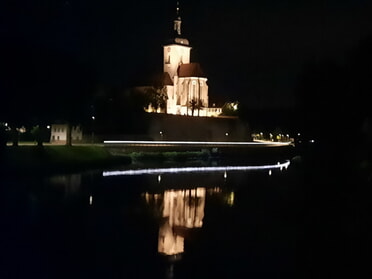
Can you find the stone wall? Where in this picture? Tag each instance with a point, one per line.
(177, 127)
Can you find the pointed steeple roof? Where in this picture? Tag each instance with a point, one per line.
(177, 21)
(177, 39)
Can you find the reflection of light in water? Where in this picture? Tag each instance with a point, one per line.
(214, 190)
(270, 172)
(196, 169)
(159, 178)
(183, 209)
(90, 200)
(230, 199)
(70, 183)
(225, 175)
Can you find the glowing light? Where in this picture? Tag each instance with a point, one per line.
(195, 169)
(225, 175)
(93, 118)
(159, 178)
(226, 134)
(232, 143)
(90, 200)
(270, 172)
(48, 127)
(230, 199)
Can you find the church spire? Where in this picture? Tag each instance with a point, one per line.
(177, 21)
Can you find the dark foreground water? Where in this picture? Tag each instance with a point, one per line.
(172, 223)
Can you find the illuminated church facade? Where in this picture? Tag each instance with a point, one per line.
(184, 83)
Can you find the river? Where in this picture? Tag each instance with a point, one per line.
(242, 221)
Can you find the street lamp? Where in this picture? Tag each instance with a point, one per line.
(93, 118)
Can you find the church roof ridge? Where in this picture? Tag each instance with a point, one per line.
(190, 70)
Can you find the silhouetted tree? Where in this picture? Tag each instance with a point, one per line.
(199, 106)
(157, 97)
(193, 104)
(228, 109)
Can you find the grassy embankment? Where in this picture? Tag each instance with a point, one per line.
(169, 156)
(57, 158)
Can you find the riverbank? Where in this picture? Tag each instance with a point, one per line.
(58, 158)
(63, 159)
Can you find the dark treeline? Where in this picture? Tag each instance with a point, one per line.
(333, 103)
(333, 108)
(41, 86)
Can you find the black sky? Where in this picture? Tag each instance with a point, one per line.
(250, 50)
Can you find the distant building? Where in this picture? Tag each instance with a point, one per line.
(183, 82)
(58, 133)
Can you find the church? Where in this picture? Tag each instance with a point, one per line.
(183, 82)
(185, 112)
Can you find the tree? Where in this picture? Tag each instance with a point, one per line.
(39, 133)
(230, 109)
(157, 97)
(3, 136)
(199, 106)
(193, 104)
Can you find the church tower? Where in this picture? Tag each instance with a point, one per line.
(176, 50)
(186, 84)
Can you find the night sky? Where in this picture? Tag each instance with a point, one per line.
(251, 51)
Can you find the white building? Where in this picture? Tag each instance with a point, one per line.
(184, 82)
(58, 133)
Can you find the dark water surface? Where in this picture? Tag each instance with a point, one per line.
(165, 224)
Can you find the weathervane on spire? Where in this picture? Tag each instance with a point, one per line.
(177, 21)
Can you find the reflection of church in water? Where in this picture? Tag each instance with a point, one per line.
(181, 210)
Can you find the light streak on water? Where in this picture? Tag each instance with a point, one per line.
(195, 169)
